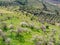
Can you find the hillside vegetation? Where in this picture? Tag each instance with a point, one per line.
(29, 24)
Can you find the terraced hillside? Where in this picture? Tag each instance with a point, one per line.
(20, 28)
(35, 23)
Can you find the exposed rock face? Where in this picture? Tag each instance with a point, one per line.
(54, 1)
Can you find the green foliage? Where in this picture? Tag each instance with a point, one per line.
(24, 37)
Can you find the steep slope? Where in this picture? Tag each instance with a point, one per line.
(20, 28)
(32, 23)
